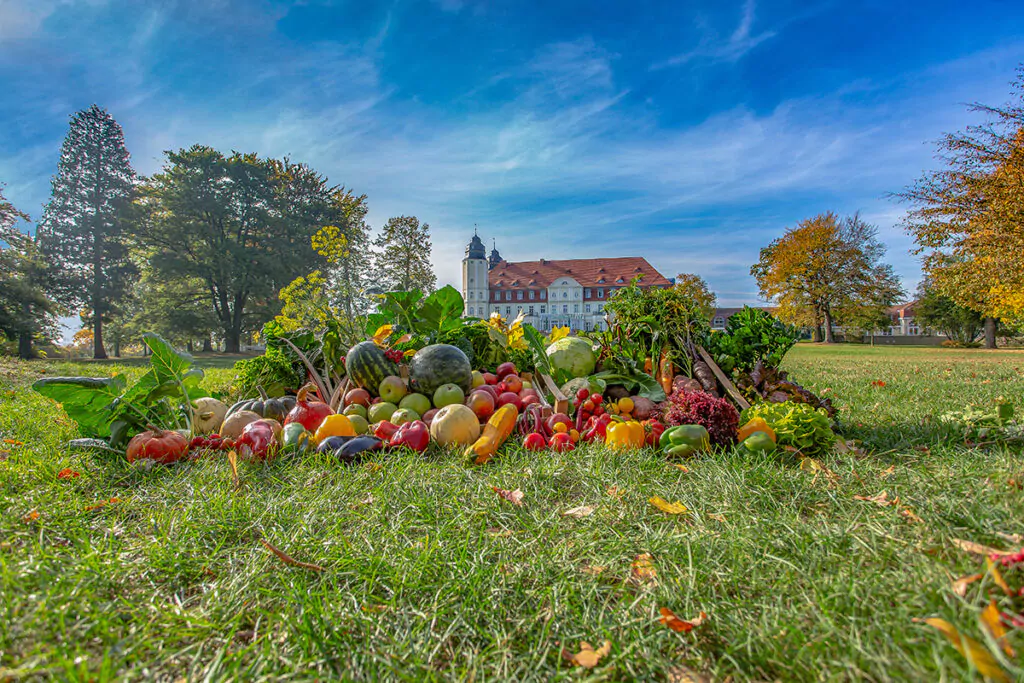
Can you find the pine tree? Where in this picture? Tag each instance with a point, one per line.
(84, 228)
(403, 256)
(26, 311)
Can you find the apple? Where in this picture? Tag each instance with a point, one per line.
(355, 409)
(382, 412)
(489, 389)
(481, 403)
(527, 384)
(403, 415)
(360, 424)
(428, 416)
(490, 378)
(527, 391)
(529, 399)
(358, 397)
(418, 403)
(448, 395)
(513, 383)
(559, 417)
(506, 369)
(478, 379)
(392, 389)
(509, 397)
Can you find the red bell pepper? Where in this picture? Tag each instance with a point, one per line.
(385, 430)
(414, 435)
(597, 428)
(654, 430)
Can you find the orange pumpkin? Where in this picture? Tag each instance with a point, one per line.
(159, 445)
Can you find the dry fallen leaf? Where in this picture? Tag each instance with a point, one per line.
(997, 576)
(972, 650)
(717, 518)
(979, 549)
(101, 504)
(593, 570)
(669, 618)
(12, 442)
(960, 585)
(990, 619)
(642, 571)
(514, 497)
(1012, 538)
(682, 674)
(498, 533)
(582, 511)
(681, 468)
(615, 491)
(233, 462)
(31, 516)
(881, 499)
(909, 514)
(587, 657)
(888, 472)
(288, 559)
(675, 508)
(68, 473)
(373, 467)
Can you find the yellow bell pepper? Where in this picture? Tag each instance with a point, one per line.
(622, 435)
(334, 425)
(757, 424)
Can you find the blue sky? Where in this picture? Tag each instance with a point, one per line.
(689, 133)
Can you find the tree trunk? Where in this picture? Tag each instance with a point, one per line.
(990, 333)
(232, 340)
(190, 347)
(117, 347)
(816, 334)
(207, 346)
(25, 345)
(829, 338)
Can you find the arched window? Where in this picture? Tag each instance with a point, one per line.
(471, 311)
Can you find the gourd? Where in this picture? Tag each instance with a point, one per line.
(159, 445)
(264, 406)
(207, 415)
(306, 412)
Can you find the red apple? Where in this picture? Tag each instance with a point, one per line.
(513, 383)
(359, 397)
(490, 378)
(529, 399)
(507, 369)
(488, 389)
(481, 403)
(534, 442)
(528, 392)
(428, 416)
(509, 397)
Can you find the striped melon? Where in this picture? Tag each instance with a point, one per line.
(367, 366)
(439, 364)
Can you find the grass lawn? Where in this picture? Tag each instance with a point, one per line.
(429, 575)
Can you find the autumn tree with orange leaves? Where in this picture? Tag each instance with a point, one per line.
(827, 271)
(968, 217)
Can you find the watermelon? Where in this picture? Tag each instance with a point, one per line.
(439, 364)
(367, 366)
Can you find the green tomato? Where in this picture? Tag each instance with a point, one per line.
(759, 442)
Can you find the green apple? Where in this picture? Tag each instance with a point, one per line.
(417, 403)
(355, 409)
(403, 415)
(448, 395)
(360, 424)
(392, 389)
(381, 412)
(478, 379)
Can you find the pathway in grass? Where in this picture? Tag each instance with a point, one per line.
(428, 573)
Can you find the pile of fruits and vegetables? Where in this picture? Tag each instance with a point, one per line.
(658, 378)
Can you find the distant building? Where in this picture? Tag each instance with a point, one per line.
(551, 293)
(904, 321)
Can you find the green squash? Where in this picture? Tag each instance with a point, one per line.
(266, 407)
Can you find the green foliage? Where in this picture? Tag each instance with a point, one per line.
(939, 312)
(426, 319)
(403, 256)
(106, 408)
(798, 425)
(750, 336)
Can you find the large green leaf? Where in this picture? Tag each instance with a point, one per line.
(167, 362)
(441, 311)
(86, 400)
(643, 384)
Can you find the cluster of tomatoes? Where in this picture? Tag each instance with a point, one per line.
(212, 442)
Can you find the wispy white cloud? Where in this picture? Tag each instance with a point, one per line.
(714, 47)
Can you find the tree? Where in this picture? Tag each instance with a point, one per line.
(939, 312)
(828, 270)
(697, 289)
(26, 311)
(403, 256)
(85, 225)
(240, 225)
(966, 217)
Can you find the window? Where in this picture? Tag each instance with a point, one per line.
(600, 293)
(565, 295)
(519, 295)
(576, 294)
(508, 296)
(497, 296)
(575, 308)
(508, 310)
(719, 322)
(542, 311)
(543, 294)
(587, 308)
(531, 310)
(471, 312)
(533, 295)
(565, 308)
(471, 295)
(586, 293)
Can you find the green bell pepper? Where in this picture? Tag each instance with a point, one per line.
(684, 440)
(296, 437)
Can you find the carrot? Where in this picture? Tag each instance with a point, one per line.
(496, 432)
(648, 366)
(665, 372)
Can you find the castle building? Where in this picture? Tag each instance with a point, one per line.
(569, 293)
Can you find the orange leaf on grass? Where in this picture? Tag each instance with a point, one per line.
(31, 516)
(973, 651)
(997, 577)
(642, 571)
(878, 384)
(288, 559)
(101, 504)
(990, 619)
(681, 468)
(669, 618)
(979, 549)
(12, 442)
(68, 473)
(514, 497)
(960, 585)
(881, 499)
(587, 657)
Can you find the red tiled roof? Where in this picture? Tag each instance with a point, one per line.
(588, 272)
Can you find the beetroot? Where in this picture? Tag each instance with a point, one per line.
(716, 415)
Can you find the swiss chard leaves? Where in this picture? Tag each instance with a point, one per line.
(86, 400)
